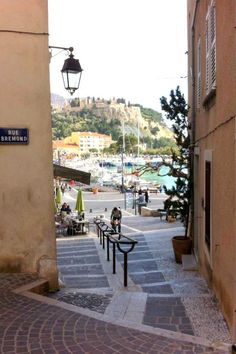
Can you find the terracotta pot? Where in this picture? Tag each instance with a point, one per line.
(95, 190)
(181, 245)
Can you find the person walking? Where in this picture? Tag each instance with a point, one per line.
(116, 216)
(140, 192)
(146, 195)
(167, 206)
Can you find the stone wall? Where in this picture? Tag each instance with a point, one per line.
(26, 195)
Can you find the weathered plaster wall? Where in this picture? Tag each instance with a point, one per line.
(27, 234)
(215, 135)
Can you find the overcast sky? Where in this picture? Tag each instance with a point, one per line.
(133, 49)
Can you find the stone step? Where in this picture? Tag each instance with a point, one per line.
(189, 262)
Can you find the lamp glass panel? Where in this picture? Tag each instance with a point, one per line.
(71, 79)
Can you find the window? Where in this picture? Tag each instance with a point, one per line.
(211, 48)
(199, 81)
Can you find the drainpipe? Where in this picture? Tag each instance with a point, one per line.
(234, 297)
(193, 108)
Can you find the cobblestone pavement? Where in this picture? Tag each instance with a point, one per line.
(94, 302)
(168, 298)
(94, 314)
(28, 325)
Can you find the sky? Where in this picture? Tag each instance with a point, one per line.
(132, 49)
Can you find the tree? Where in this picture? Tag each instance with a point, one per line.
(155, 130)
(163, 142)
(131, 142)
(93, 150)
(75, 102)
(179, 196)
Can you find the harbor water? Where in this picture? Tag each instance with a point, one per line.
(151, 178)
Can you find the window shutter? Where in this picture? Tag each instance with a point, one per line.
(211, 48)
(199, 81)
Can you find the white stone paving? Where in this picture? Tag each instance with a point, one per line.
(200, 303)
(128, 304)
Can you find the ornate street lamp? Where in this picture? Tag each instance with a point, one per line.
(71, 71)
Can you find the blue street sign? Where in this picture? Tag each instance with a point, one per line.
(13, 136)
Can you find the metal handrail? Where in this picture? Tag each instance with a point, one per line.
(119, 242)
(99, 224)
(104, 230)
(103, 227)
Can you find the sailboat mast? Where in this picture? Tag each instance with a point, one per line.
(138, 136)
(123, 134)
(122, 156)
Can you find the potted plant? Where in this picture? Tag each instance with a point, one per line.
(179, 195)
(178, 166)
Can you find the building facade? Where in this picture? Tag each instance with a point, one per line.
(212, 87)
(27, 231)
(61, 149)
(88, 140)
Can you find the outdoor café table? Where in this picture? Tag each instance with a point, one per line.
(81, 225)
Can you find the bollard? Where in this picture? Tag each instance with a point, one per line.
(105, 209)
(90, 210)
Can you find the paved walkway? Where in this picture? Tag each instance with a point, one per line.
(157, 313)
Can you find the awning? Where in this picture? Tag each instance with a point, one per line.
(71, 173)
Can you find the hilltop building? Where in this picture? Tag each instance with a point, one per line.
(90, 101)
(212, 87)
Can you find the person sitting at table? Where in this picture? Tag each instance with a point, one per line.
(72, 227)
(81, 216)
(65, 209)
(68, 209)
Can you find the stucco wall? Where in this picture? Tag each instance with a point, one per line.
(215, 136)
(26, 194)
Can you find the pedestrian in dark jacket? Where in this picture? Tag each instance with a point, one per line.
(146, 195)
(116, 216)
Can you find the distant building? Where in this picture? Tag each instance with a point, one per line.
(212, 87)
(60, 148)
(88, 140)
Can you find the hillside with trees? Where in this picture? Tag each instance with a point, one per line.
(111, 117)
